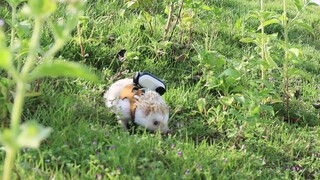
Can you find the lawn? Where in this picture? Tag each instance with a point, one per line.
(241, 84)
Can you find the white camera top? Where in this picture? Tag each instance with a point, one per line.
(149, 81)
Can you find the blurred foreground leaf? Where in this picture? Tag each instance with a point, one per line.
(62, 68)
(32, 134)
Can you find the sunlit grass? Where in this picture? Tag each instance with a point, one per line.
(87, 142)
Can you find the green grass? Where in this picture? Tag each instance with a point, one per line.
(87, 142)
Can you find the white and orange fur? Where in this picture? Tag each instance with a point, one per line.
(151, 110)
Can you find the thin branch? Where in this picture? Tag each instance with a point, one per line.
(286, 61)
(262, 20)
(83, 55)
(179, 16)
(181, 36)
(166, 30)
(190, 36)
(151, 28)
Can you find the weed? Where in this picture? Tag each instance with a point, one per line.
(30, 134)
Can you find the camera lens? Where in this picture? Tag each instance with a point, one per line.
(160, 90)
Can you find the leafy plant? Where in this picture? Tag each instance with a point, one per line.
(146, 11)
(25, 70)
(267, 41)
(262, 40)
(194, 15)
(291, 53)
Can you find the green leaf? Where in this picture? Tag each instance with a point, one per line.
(313, 3)
(201, 103)
(9, 106)
(299, 72)
(121, 12)
(266, 14)
(84, 19)
(132, 4)
(58, 29)
(42, 8)
(305, 26)
(211, 58)
(232, 73)
(283, 18)
(5, 58)
(247, 40)
(7, 138)
(206, 8)
(213, 83)
(227, 100)
(271, 21)
(269, 59)
(57, 68)
(187, 17)
(147, 16)
(298, 4)
(23, 28)
(266, 108)
(254, 14)
(14, 3)
(274, 101)
(239, 98)
(239, 89)
(266, 83)
(218, 62)
(32, 134)
(255, 111)
(294, 51)
(237, 115)
(166, 10)
(238, 25)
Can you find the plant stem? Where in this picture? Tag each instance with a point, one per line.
(81, 43)
(210, 40)
(19, 97)
(20, 90)
(17, 106)
(181, 36)
(263, 70)
(15, 121)
(34, 43)
(190, 35)
(151, 28)
(286, 59)
(13, 32)
(53, 50)
(13, 28)
(166, 30)
(175, 24)
(10, 156)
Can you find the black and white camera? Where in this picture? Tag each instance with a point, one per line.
(149, 81)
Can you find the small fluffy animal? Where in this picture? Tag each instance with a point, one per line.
(146, 109)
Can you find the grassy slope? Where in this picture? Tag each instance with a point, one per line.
(87, 142)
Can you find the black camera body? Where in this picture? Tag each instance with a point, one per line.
(149, 81)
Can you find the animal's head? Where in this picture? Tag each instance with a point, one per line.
(152, 112)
